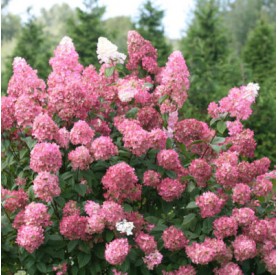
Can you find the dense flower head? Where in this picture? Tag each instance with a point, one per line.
(243, 143)
(26, 110)
(36, 214)
(262, 186)
(19, 181)
(46, 157)
(257, 230)
(91, 208)
(185, 269)
(81, 133)
(168, 159)
(13, 200)
(201, 171)
(237, 103)
(120, 181)
(234, 127)
(44, 128)
(137, 219)
(210, 204)
(95, 224)
(241, 193)
(228, 268)
(261, 165)
(170, 189)
(103, 148)
(146, 242)
(71, 209)
(244, 216)
(270, 261)
(80, 158)
(112, 213)
(116, 251)
(153, 259)
(141, 52)
(157, 138)
(46, 186)
(244, 248)
(19, 219)
(271, 228)
(189, 130)
(174, 239)
(246, 172)
(69, 229)
(151, 178)
(63, 138)
(227, 175)
(149, 118)
(200, 253)
(225, 227)
(108, 52)
(7, 112)
(174, 80)
(25, 81)
(30, 237)
(100, 126)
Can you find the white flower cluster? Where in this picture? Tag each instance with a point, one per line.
(125, 227)
(252, 90)
(108, 52)
(127, 94)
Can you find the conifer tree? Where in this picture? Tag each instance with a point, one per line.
(205, 48)
(259, 54)
(149, 25)
(86, 30)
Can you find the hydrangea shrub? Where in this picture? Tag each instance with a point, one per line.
(100, 175)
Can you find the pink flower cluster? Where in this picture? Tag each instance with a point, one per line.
(169, 159)
(174, 239)
(228, 268)
(81, 133)
(153, 259)
(201, 171)
(208, 251)
(103, 148)
(174, 82)
(46, 186)
(244, 248)
(237, 103)
(225, 227)
(146, 243)
(141, 52)
(121, 183)
(116, 251)
(151, 178)
(45, 157)
(209, 204)
(170, 189)
(44, 128)
(80, 158)
(13, 200)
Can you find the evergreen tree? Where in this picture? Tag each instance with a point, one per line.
(86, 30)
(32, 45)
(259, 54)
(149, 25)
(208, 58)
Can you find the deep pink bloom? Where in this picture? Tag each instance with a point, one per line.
(244, 248)
(146, 242)
(103, 148)
(225, 227)
(151, 178)
(153, 259)
(116, 251)
(80, 158)
(170, 189)
(174, 239)
(81, 133)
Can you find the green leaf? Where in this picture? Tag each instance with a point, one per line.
(109, 71)
(72, 245)
(41, 267)
(171, 174)
(74, 270)
(213, 121)
(218, 140)
(221, 126)
(216, 148)
(127, 207)
(109, 235)
(55, 237)
(80, 189)
(132, 113)
(162, 99)
(169, 143)
(84, 247)
(192, 205)
(187, 220)
(83, 259)
(148, 85)
(30, 142)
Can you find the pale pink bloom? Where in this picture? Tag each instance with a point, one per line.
(116, 251)
(146, 242)
(153, 259)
